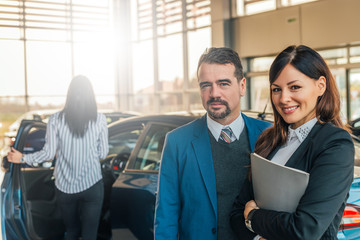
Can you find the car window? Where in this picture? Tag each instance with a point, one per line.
(34, 142)
(124, 142)
(148, 157)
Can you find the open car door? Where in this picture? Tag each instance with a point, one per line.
(28, 200)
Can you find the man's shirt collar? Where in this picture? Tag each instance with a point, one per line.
(236, 126)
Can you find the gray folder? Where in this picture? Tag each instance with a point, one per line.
(277, 187)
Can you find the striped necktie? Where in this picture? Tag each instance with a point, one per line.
(226, 134)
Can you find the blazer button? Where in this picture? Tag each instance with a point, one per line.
(213, 230)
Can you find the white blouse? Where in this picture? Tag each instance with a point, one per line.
(294, 139)
(77, 165)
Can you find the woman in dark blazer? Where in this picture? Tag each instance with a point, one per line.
(309, 135)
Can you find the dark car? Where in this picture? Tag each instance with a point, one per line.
(130, 171)
(28, 201)
(43, 116)
(355, 126)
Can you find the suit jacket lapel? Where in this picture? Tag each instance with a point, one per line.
(253, 131)
(202, 149)
(301, 150)
(299, 153)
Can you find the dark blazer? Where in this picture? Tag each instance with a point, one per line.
(328, 155)
(186, 204)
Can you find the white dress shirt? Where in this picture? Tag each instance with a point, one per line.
(236, 126)
(294, 139)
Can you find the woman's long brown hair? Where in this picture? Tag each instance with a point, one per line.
(310, 63)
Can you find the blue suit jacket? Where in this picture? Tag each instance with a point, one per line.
(186, 204)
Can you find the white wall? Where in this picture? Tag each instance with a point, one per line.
(321, 24)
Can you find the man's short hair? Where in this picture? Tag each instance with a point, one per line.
(222, 55)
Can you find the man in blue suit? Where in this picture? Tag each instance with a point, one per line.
(204, 163)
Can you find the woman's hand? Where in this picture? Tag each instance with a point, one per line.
(250, 205)
(14, 156)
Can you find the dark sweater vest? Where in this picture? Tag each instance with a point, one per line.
(230, 164)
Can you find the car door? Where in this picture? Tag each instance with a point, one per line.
(133, 192)
(28, 199)
(122, 140)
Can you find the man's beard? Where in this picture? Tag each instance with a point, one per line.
(220, 115)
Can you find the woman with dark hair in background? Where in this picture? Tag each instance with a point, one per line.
(308, 135)
(78, 136)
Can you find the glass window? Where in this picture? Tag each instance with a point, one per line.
(195, 101)
(55, 25)
(149, 155)
(48, 101)
(294, 2)
(334, 56)
(144, 101)
(340, 79)
(34, 142)
(198, 41)
(260, 94)
(171, 70)
(12, 68)
(247, 7)
(142, 17)
(51, 35)
(171, 102)
(95, 61)
(198, 14)
(354, 79)
(10, 33)
(48, 75)
(169, 17)
(143, 67)
(259, 6)
(355, 54)
(174, 20)
(121, 146)
(261, 64)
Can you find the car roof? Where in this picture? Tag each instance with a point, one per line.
(180, 118)
(164, 118)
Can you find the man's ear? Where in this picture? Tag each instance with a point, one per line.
(242, 86)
